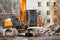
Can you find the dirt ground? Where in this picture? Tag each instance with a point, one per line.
(53, 37)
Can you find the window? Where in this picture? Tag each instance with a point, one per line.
(55, 20)
(55, 12)
(48, 3)
(48, 12)
(48, 20)
(39, 4)
(54, 3)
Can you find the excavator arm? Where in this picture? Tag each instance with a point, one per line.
(22, 9)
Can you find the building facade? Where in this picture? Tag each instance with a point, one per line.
(45, 8)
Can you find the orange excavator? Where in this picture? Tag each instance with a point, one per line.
(21, 15)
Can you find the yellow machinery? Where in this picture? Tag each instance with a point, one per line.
(8, 22)
(21, 16)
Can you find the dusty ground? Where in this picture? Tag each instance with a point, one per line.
(53, 37)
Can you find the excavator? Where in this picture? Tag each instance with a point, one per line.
(17, 21)
(20, 17)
